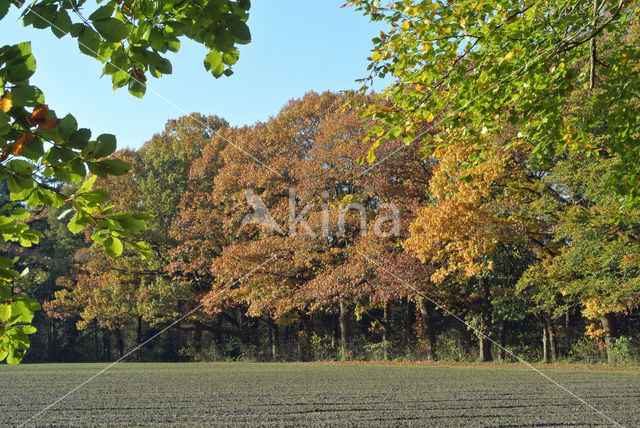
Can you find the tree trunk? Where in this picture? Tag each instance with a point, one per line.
(503, 341)
(485, 349)
(52, 343)
(409, 314)
(486, 323)
(385, 332)
(553, 345)
(139, 337)
(197, 337)
(545, 341)
(344, 331)
(275, 341)
(96, 343)
(304, 337)
(120, 343)
(428, 333)
(106, 345)
(611, 332)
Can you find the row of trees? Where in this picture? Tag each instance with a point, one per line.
(350, 260)
(502, 190)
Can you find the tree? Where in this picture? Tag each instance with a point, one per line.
(116, 292)
(469, 232)
(595, 259)
(476, 67)
(36, 145)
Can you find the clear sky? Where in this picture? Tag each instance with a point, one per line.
(298, 45)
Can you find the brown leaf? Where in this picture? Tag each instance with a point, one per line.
(40, 113)
(49, 124)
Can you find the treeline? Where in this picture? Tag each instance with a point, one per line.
(281, 244)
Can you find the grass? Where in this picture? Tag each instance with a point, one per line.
(293, 394)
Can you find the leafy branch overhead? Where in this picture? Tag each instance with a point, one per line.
(477, 67)
(38, 149)
(132, 38)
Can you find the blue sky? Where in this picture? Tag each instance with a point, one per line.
(298, 45)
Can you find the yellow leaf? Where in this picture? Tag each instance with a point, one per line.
(405, 25)
(509, 55)
(6, 102)
(430, 118)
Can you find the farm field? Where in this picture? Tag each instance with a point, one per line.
(248, 394)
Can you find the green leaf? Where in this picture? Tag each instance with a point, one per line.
(173, 44)
(29, 329)
(62, 24)
(5, 292)
(4, 8)
(240, 31)
(67, 126)
(94, 197)
(76, 29)
(21, 70)
(112, 29)
(143, 248)
(89, 42)
(87, 184)
(136, 87)
(164, 66)
(97, 169)
(113, 246)
(103, 12)
(20, 213)
(78, 223)
(5, 312)
(15, 356)
(26, 95)
(213, 62)
(131, 224)
(105, 145)
(119, 79)
(115, 166)
(231, 57)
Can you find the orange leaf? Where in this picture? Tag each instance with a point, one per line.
(40, 113)
(6, 102)
(18, 146)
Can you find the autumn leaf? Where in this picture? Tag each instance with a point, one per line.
(49, 124)
(6, 102)
(40, 113)
(18, 146)
(430, 118)
(139, 74)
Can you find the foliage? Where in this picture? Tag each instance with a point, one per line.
(114, 292)
(37, 147)
(132, 38)
(475, 67)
